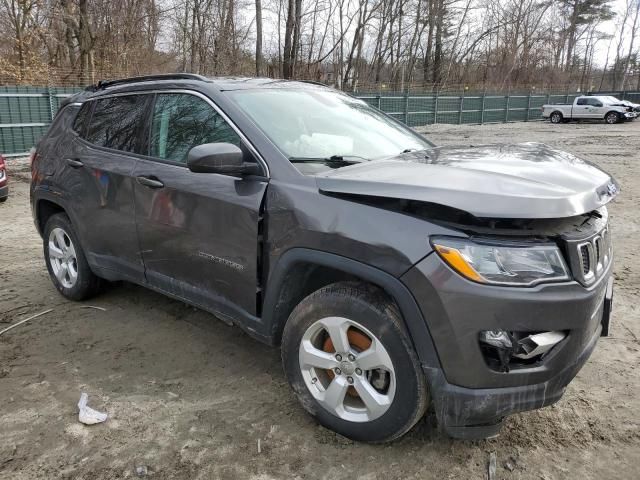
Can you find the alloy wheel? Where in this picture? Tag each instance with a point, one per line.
(347, 369)
(62, 257)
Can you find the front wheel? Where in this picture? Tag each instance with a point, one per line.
(349, 361)
(611, 118)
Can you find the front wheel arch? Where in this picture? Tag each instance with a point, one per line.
(612, 113)
(276, 312)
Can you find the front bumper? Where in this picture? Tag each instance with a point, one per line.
(470, 397)
(471, 413)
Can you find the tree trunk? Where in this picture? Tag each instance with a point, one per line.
(287, 67)
(437, 59)
(258, 37)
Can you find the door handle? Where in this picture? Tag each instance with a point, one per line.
(72, 162)
(150, 182)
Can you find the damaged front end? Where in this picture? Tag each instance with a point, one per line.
(504, 350)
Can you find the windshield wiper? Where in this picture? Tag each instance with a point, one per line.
(341, 160)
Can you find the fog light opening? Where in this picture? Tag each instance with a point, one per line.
(504, 350)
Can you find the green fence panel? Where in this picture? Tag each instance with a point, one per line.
(26, 112)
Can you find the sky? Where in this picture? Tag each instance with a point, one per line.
(610, 27)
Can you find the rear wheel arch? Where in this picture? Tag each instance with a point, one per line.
(301, 271)
(44, 210)
(554, 115)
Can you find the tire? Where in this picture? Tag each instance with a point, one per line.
(397, 393)
(66, 262)
(612, 118)
(556, 117)
(3, 199)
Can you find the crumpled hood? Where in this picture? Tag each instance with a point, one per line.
(527, 180)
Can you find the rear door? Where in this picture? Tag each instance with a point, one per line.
(198, 231)
(97, 175)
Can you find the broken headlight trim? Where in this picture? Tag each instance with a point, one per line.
(502, 263)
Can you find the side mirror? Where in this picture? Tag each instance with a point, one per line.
(222, 158)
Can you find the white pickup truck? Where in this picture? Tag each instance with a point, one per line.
(589, 108)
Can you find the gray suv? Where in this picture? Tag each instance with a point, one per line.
(395, 275)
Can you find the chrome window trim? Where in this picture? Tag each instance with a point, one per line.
(195, 93)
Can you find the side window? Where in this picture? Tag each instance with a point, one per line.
(115, 122)
(181, 122)
(582, 101)
(595, 102)
(80, 122)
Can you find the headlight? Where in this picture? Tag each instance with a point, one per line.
(502, 263)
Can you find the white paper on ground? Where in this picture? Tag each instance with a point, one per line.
(88, 415)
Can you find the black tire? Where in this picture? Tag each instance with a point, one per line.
(556, 117)
(87, 283)
(3, 199)
(612, 118)
(370, 307)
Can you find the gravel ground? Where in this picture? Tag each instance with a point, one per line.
(189, 397)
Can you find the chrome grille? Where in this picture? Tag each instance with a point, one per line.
(589, 258)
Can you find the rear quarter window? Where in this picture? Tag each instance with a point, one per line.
(82, 118)
(116, 122)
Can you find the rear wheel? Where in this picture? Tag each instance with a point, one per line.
(556, 117)
(349, 360)
(612, 117)
(66, 262)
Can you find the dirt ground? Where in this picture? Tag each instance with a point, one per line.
(189, 397)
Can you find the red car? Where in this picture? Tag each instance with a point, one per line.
(4, 188)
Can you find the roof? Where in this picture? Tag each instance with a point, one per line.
(222, 83)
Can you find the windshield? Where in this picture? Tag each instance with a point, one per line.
(310, 124)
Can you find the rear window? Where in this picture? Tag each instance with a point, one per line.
(116, 122)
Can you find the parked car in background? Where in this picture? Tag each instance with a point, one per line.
(4, 187)
(395, 275)
(589, 108)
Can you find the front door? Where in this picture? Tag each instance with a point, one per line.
(198, 231)
(596, 108)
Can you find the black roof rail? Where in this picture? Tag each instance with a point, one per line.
(313, 82)
(102, 84)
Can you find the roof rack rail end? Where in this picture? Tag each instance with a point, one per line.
(102, 84)
(313, 82)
